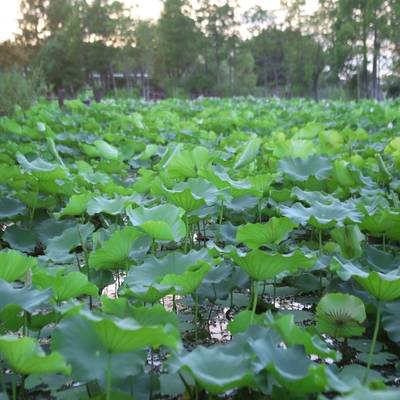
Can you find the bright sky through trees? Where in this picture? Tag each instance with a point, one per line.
(9, 10)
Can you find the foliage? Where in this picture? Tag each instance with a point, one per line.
(18, 90)
(130, 229)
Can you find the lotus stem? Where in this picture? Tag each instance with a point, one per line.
(25, 330)
(204, 233)
(174, 309)
(151, 373)
(86, 255)
(374, 337)
(108, 377)
(187, 386)
(221, 212)
(187, 232)
(14, 388)
(320, 254)
(196, 316)
(3, 385)
(253, 311)
(384, 242)
(274, 299)
(320, 241)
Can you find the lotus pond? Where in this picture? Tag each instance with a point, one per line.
(241, 249)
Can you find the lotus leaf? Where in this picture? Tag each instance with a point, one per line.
(340, 315)
(160, 222)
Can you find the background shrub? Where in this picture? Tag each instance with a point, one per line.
(18, 89)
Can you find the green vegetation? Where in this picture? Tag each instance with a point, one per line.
(18, 90)
(131, 230)
(342, 49)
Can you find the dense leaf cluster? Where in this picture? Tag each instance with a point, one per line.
(128, 229)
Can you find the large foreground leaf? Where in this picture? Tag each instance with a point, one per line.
(26, 357)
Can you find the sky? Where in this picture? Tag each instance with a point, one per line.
(9, 11)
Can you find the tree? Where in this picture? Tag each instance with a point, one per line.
(31, 24)
(177, 42)
(108, 28)
(357, 30)
(220, 27)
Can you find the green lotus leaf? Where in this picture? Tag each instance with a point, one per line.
(47, 172)
(349, 238)
(10, 208)
(270, 234)
(379, 260)
(314, 197)
(27, 298)
(58, 248)
(385, 287)
(249, 153)
(160, 222)
(25, 356)
(391, 321)
(14, 265)
(188, 281)
(379, 359)
(293, 148)
(185, 198)
(290, 366)
(262, 182)
(76, 339)
(64, 287)
(340, 315)
(147, 316)
(262, 266)
(51, 228)
(382, 222)
(105, 150)
(221, 179)
(113, 206)
(174, 273)
(322, 215)
(203, 189)
(15, 301)
(148, 152)
(368, 394)
(243, 320)
(114, 253)
(301, 169)
(218, 368)
(76, 205)
(351, 377)
(20, 238)
(180, 163)
(345, 174)
(293, 335)
(123, 335)
(183, 163)
(37, 165)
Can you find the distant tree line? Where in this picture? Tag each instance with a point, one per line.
(346, 48)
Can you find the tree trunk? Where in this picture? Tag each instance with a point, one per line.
(112, 77)
(316, 86)
(375, 78)
(364, 76)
